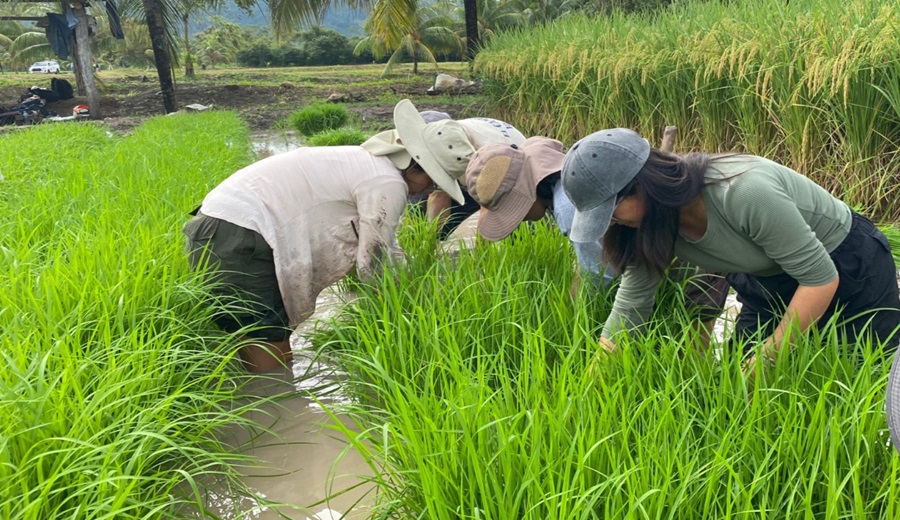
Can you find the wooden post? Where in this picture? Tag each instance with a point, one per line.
(84, 63)
(668, 140)
(76, 67)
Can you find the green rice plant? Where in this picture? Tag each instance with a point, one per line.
(812, 84)
(337, 137)
(319, 117)
(113, 378)
(474, 399)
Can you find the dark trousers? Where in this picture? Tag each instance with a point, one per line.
(867, 296)
(458, 213)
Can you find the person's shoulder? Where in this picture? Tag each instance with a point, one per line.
(736, 172)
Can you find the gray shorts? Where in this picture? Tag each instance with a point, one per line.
(242, 270)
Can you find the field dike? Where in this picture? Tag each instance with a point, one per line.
(814, 84)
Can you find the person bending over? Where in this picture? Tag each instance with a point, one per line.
(794, 253)
(279, 231)
(522, 183)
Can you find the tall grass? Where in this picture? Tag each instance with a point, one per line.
(112, 377)
(474, 401)
(811, 83)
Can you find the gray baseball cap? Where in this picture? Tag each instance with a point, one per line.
(594, 171)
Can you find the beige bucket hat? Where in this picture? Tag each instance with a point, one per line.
(503, 178)
(388, 142)
(442, 148)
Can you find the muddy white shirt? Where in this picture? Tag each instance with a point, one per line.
(322, 210)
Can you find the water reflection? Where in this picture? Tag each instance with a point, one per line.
(267, 144)
(301, 460)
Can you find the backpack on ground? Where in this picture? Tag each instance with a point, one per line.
(62, 88)
(46, 94)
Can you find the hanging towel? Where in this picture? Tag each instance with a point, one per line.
(58, 32)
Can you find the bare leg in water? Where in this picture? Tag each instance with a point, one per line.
(263, 356)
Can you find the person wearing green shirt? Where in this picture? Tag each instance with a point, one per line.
(794, 253)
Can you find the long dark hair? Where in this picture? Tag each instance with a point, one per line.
(667, 183)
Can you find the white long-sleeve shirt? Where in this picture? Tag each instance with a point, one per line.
(322, 210)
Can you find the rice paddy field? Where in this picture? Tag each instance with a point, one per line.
(474, 390)
(478, 396)
(812, 83)
(112, 379)
(474, 386)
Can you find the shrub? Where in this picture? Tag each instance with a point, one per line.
(259, 55)
(325, 46)
(319, 117)
(338, 137)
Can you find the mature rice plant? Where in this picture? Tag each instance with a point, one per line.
(112, 378)
(474, 400)
(810, 83)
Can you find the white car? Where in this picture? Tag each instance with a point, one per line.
(46, 67)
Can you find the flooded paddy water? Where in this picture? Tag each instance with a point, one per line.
(299, 461)
(267, 144)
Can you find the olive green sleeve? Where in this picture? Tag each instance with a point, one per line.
(634, 302)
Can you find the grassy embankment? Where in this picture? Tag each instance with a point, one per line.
(112, 378)
(815, 84)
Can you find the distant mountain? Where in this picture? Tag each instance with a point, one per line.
(346, 21)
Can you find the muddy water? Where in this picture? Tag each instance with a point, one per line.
(267, 144)
(300, 461)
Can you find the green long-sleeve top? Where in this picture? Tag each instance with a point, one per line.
(763, 219)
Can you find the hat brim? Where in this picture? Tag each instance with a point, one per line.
(500, 223)
(387, 144)
(590, 226)
(410, 126)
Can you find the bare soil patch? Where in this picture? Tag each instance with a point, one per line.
(262, 97)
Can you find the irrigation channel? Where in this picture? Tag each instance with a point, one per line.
(302, 461)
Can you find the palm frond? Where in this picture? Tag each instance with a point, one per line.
(395, 59)
(391, 20)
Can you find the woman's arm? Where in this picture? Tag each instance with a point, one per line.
(804, 309)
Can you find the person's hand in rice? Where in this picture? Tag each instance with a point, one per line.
(607, 348)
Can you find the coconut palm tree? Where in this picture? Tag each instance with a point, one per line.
(20, 46)
(220, 42)
(403, 28)
(496, 15)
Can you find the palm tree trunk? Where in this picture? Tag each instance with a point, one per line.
(471, 14)
(188, 59)
(160, 54)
